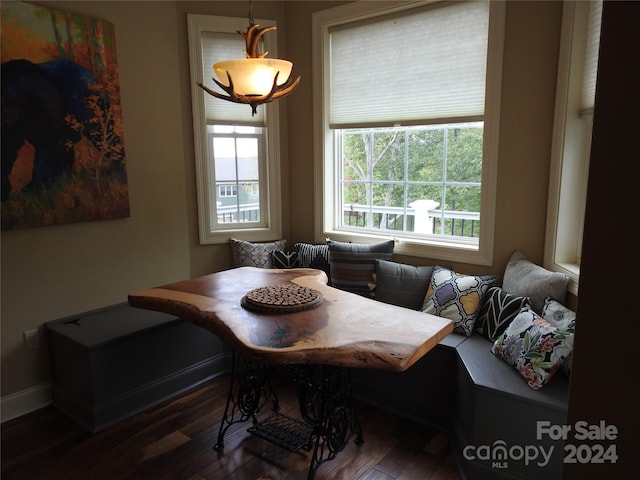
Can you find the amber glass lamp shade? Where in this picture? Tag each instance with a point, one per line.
(253, 76)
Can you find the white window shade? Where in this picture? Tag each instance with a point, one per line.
(416, 66)
(216, 47)
(591, 57)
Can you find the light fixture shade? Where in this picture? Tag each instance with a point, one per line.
(253, 76)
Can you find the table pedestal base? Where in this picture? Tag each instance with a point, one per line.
(249, 388)
(329, 415)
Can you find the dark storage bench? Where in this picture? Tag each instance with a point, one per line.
(425, 393)
(496, 406)
(111, 363)
(462, 387)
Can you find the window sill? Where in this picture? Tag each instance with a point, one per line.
(572, 270)
(432, 249)
(249, 235)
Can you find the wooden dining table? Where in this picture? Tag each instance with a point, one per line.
(319, 339)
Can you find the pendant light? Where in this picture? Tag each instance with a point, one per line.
(255, 79)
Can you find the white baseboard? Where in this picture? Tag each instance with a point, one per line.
(25, 401)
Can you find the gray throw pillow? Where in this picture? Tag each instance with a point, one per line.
(401, 284)
(526, 279)
(354, 264)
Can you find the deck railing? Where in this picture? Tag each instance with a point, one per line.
(443, 222)
(248, 212)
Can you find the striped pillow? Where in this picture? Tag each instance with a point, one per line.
(314, 256)
(498, 309)
(353, 265)
(308, 253)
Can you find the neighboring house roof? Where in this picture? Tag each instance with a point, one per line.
(225, 169)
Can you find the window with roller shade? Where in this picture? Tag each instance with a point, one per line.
(577, 72)
(407, 117)
(237, 161)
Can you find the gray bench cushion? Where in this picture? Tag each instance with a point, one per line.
(488, 371)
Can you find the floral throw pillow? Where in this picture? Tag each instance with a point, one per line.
(561, 317)
(534, 346)
(456, 297)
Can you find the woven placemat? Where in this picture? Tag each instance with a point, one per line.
(281, 298)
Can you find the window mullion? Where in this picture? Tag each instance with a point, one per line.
(443, 198)
(237, 169)
(406, 179)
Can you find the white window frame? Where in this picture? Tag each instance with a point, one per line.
(571, 146)
(210, 232)
(324, 168)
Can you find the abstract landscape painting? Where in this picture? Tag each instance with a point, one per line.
(63, 156)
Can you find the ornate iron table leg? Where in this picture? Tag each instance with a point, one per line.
(326, 402)
(326, 406)
(248, 384)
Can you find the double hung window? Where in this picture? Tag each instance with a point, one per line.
(237, 165)
(577, 69)
(407, 113)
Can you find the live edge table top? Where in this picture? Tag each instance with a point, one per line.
(345, 329)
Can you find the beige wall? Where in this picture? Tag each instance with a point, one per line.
(57, 271)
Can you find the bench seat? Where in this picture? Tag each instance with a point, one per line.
(480, 399)
(495, 404)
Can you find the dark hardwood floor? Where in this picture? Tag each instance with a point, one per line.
(174, 441)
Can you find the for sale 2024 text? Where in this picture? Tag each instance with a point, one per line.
(583, 431)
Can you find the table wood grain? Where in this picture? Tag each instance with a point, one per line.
(344, 330)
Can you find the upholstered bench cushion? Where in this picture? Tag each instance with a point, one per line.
(488, 371)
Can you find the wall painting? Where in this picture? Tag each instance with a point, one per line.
(63, 156)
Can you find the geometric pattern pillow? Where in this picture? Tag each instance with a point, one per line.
(561, 317)
(353, 265)
(497, 310)
(283, 259)
(248, 254)
(534, 346)
(456, 297)
(314, 256)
